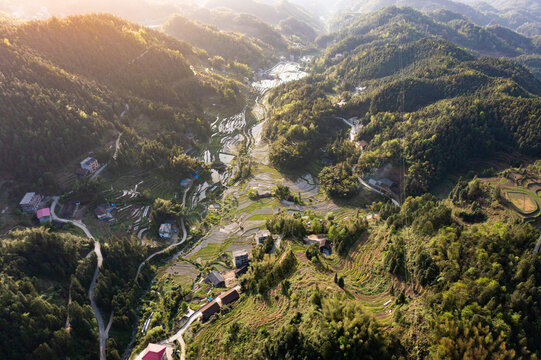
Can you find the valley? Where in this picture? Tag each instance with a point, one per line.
(256, 180)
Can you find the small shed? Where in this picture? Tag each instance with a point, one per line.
(44, 215)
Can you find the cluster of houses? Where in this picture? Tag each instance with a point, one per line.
(215, 305)
(31, 203)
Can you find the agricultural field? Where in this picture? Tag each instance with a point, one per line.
(521, 192)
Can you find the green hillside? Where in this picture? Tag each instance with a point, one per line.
(425, 104)
(231, 46)
(69, 80)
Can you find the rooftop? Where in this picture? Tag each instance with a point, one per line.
(387, 181)
(262, 233)
(240, 253)
(100, 210)
(154, 352)
(45, 212)
(88, 160)
(211, 306)
(165, 228)
(27, 198)
(229, 296)
(318, 237)
(215, 278)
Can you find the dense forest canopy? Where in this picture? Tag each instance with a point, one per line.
(231, 46)
(425, 103)
(38, 268)
(70, 79)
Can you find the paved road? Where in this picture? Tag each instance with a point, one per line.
(368, 186)
(178, 335)
(140, 233)
(536, 249)
(117, 144)
(103, 331)
(184, 236)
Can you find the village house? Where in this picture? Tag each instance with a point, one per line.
(166, 231)
(228, 297)
(261, 236)
(102, 214)
(322, 241)
(240, 258)
(30, 202)
(208, 310)
(216, 279)
(81, 173)
(241, 271)
(387, 183)
(154, 352)
(68, 210)
(90, 164)
(44, 215)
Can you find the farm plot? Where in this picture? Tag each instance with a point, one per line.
(524, 201)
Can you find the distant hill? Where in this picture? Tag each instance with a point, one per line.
(271, 13)
(242, 23)
(424, 97)
(66, 81)
(229, 45)
(294, 28)
(522, 16)
(400, 25)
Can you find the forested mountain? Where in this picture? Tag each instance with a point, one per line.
(38, 270)
(292, 28)
(271, 13)
(231, 46)
(425, 102)
(522, 16)
(69, 79)
(250, 24)
(405, 24)
(399, 25)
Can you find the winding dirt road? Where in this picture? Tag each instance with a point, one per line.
(103, 331)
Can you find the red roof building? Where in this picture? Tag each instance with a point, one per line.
(154, 352)
(44, 215)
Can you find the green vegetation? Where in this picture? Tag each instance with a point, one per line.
(230, 46)
(39, 268)
(426, 105)
(70, 79)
